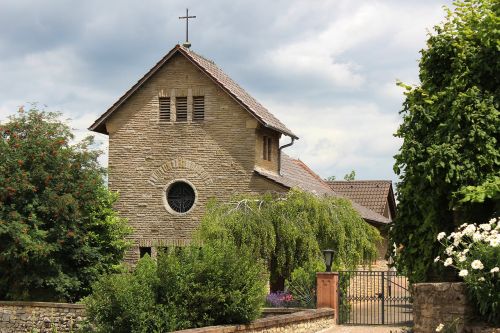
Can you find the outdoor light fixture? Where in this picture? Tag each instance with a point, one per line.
(328, 255)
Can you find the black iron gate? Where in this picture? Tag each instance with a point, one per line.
(374, 298)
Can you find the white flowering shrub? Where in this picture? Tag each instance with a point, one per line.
(474, 250)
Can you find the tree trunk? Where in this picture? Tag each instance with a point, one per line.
(277, 284)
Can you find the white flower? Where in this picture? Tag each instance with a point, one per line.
(485, 226)
(481, 279)
(495, 241)
(477, 264)
(439, 328)
(470, 230)
(448, 262)
(493, 220)
(462, 226)
(464, 252)
(441, 235)
(462, 258)
(436, 259)
(477, 237)
(494, 270)
(449, 250)
(463, 272)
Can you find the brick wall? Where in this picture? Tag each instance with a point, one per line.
(307, 321)
(217, 156)
(17, 317)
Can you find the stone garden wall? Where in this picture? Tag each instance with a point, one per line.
(40, 317)
(300, 322)
(444, 302)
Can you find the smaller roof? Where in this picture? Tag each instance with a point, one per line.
(373, 194)
(218, 76)
(295, 173)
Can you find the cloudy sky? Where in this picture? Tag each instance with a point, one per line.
(327, 68)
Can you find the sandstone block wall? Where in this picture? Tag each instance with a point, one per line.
(436, 303)
(307, 321)
(41, 317)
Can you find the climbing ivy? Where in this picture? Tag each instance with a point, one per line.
(450, 155)
(289, 230)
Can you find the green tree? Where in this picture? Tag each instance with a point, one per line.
(58, 231)
(449, 160)
(350, 176)
(288, 231)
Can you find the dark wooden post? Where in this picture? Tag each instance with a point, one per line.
(327, 291)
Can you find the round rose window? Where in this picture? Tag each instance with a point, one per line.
(180, 197)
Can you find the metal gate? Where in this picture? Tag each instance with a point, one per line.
(374, 298)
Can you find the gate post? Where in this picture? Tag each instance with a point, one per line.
(327, 291)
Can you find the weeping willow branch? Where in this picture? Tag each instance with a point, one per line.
(289, 230)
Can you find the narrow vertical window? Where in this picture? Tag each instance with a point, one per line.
(164, 108)
(264, 148)
(181, 108)
(269, 148)
(198, 108)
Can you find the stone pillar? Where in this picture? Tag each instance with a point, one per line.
(436, 303)
(327, 292)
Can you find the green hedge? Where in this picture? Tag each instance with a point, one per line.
(191, 287)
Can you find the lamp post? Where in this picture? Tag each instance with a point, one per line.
(327, 284)
(328, 256)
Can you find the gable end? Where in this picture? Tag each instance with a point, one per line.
(217, 76)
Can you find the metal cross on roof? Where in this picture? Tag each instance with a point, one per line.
(187, 17)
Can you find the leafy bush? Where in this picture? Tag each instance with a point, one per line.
(474, 250)
(58, 229)
(191, 287)
(302, 283)
(212, 285)
(125, 302)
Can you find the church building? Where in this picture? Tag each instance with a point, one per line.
(186, 133)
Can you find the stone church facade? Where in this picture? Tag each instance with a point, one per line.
(186, 133)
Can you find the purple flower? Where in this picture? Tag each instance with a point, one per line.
(279, 299)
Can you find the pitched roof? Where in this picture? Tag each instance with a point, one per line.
(295, 173)
(373, 194)
(220, 78)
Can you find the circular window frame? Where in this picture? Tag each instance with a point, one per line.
(165, 190)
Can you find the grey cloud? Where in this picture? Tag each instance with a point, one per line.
(80, 56)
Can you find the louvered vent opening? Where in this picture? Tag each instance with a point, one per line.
(164, 108)
(198, 108)
(181, 108)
